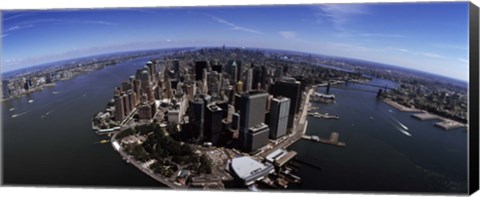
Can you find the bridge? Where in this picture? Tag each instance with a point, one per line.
(371, 85)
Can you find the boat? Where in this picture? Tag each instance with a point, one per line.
(103, 141)
(11, 109)
(30, 101)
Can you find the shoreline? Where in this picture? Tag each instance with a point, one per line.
(40, 88)
(128, 158)
(401, 107)
(444, 123)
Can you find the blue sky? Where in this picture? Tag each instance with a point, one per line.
(431, 37)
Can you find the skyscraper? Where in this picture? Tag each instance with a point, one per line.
(199, 66)
(213, 124)
(252, 113)
(278, 117)
(289, 88)
(196, 114)
(119, 111)
(257, 137)
(249, 81)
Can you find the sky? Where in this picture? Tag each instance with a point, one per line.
(431, 37)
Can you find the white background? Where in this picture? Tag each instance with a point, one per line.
(73, 192)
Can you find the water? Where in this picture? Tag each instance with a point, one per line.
(387, 150)
(51, 142)
(61, 149)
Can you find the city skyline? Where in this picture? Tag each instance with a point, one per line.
(395, 34)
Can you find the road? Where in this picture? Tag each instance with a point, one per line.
(299, 130)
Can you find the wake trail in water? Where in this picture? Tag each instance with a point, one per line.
(17, 115)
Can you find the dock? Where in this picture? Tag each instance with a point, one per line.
(447, 125)
(324, 116)
(425, 116)
(333, 140)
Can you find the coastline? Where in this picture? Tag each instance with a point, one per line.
(129, 159)
(401, 107)
(40, 88)
(444, 123)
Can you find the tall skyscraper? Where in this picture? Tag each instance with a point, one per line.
(213, 124)
(233, 72)
(196, 114)
(256, 77)
(252, 113)
(289, 88)
(199, 69)
(176, 67)
(249, 81)
(126, 104)
(278, 122)
(119, 111)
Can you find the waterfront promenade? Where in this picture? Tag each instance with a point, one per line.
(129, 159)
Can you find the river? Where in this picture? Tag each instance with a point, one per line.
(381, 155)
(61, 148)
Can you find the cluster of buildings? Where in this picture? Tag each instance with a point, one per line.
(21, 85)
(223, 104)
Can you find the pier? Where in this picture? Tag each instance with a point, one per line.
(445, 123)
(333, 140)
(425, 116)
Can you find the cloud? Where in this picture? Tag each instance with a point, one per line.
(17, 16)
(432, 55)
(398, 49)
(4, 35)
(381, 35)
(18, 27)
(94, 22)
(36, 22)
(287, 34)
(451, 46)
(426, 54)
(340, 14)
(463, 60)
(233, 26)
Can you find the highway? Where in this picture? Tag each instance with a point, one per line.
(299, 130)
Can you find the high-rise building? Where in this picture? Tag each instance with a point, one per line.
(176, 67)
(291, 89)
(257, 137)
(126, 85)
(217, 67)
(196, 114)
(145, 112)
(137, 88)
(126, 104)
(256, 77)
(278, 122)
(249, 81)
(119, 111)
(213, 124)
(252, 113)
(199, 69)
(149, 92)
(233, 72)
(145, 78)
(132, 98)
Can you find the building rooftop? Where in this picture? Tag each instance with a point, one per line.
(249, 169)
